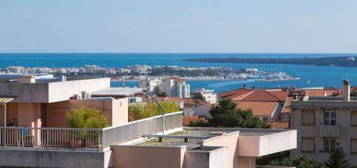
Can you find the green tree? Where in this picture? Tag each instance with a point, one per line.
(86, 118)
(300, 162)
(149, 109)
(337, 158)
(226, 114)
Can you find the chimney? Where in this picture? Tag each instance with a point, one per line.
(346, 91)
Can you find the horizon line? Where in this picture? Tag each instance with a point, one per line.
(177, 52)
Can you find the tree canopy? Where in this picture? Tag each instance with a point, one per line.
(300, 162)
(226, 114)
(86, 118)
(149, 109)
(337, 158)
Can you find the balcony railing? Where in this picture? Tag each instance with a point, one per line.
(86, 138)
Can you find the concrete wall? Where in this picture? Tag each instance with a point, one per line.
(29, 114)
(257, 145)
(231, 142)
(115, 109)
(26, 114)
(147, 156)
(54, 158)
(61, 91)
(25, 92)
(346, 132)
(51, 92)
(247, 162)
(216, 157)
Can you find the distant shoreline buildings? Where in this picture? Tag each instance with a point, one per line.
(139, 72)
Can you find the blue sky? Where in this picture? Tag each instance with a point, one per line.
(223, 26)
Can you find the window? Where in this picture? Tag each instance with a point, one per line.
(307, 144)
(353, 146)
(329, 144)
(329, 117)
(354, 118)
(308, 117)
(265, 118)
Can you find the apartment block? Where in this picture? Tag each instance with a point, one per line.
(323, 121)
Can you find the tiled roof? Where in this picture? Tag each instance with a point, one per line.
(234, 93)
(260, 95)
(279, 125)
(258, 108)
(177, 79)
(321, 92)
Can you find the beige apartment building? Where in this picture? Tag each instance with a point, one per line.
(323, 121)
(44, 104)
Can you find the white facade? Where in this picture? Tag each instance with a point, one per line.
(208, 95)
(171, 86)
(175, 87)
(151, 84)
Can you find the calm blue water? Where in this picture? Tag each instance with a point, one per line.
(318, 76)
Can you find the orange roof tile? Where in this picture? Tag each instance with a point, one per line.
(236, 92)
(279, 125)
(258, 108)
(321, 92)
(245, 94)
(186, 120)
(177, 79)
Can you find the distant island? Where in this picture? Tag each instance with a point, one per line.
(321, 61)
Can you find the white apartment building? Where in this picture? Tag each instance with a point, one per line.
(323, 121)
(151, 84)
(208, 95)
(171, 86)
(175, 87)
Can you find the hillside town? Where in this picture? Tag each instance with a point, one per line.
(311, 120)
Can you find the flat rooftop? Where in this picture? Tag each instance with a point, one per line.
(325, 102)
(195, 136)
(117, 91)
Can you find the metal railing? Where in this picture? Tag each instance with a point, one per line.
(137, 129)
(86, 138)
(50, 137)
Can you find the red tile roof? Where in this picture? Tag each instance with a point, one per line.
(259, 95)
(177, 79)
(321, 92)
(258, 108)
(234, 93)
(279, 125)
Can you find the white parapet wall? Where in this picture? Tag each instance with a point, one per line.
(264, 143)
(52, 91)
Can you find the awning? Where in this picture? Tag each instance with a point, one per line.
(4, 100)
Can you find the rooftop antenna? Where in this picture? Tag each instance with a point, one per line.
(160, 107)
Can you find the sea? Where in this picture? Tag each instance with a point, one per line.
(310, 75)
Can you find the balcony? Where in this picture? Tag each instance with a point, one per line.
(29, 137)
(329, 130)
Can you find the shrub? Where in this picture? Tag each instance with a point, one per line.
(86, 118)
(149, 109)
